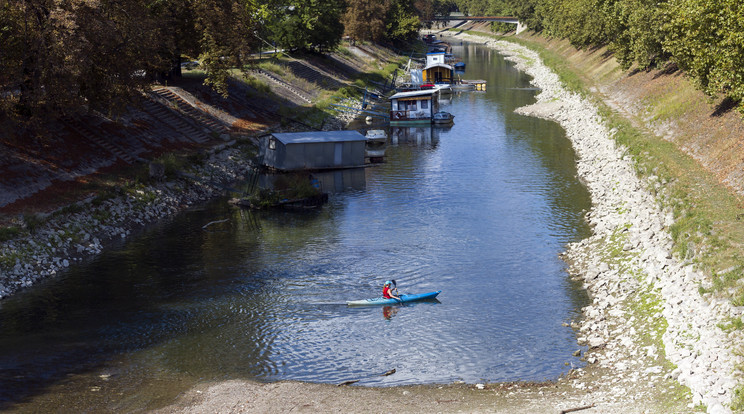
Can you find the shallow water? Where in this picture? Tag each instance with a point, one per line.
(479, 210)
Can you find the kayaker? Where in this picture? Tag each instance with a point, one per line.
(388, 292)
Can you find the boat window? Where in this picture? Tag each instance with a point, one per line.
(272, 143)
(406, 105)
(424, 104)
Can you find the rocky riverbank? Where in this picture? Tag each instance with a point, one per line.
(640, 291)
(82, 230)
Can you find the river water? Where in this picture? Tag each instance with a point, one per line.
(479, 210)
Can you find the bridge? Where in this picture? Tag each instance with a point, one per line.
(501, 19)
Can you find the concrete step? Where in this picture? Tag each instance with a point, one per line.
(92, 134)
(189, 110)
(184, 129)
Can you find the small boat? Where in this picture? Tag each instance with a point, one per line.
(403, 299)
(376, 135)
(463, 86)
(443, 88)
(374, 151)
(443, 117)
(459, 66)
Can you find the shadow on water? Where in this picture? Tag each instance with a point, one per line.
(160, 288)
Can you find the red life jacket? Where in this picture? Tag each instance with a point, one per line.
(386, 292)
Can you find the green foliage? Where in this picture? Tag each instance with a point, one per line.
(706, 39)
(305, 24)
(527, 12)
(172, 164)
(703, 38)
(737, 402)
(60, 55)
(32, 221)
(102, 215)
(365, 20)
(225, 29)
(402, 22)
(70, 209)
(347, 92)
(344, 51)
(9, 233)
(272, 66)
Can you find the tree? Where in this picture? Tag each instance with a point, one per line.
(706, 40)
(304, 24)
(365, 20)
(65, 54)
(526, 12)
(638, 37)
(226, 37)
(401, 21)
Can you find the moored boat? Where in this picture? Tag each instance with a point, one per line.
(443, 117)
(376, 135)
(374, 151)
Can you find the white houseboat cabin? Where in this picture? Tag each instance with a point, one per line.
(414, 107)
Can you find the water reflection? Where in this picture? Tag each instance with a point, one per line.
(418, 136)
(389, 311)
(342, 180)
(331, 181)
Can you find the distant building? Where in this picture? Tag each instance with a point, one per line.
(313, 150)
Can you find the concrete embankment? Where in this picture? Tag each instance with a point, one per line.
(638, 286)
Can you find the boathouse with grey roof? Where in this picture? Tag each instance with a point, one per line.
(312, 150)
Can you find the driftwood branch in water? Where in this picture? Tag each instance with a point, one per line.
(570, 410)
(213, 222)
(349, 382)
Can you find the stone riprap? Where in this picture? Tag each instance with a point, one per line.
(627, 265)
(68, 237)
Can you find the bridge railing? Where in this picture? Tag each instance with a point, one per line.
(501, 19)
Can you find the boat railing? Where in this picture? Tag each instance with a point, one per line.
(409, 115)
(395, 115)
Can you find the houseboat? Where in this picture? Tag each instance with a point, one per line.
(414, 107)
(438, 72)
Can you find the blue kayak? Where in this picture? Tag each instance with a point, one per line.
(403, 299)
